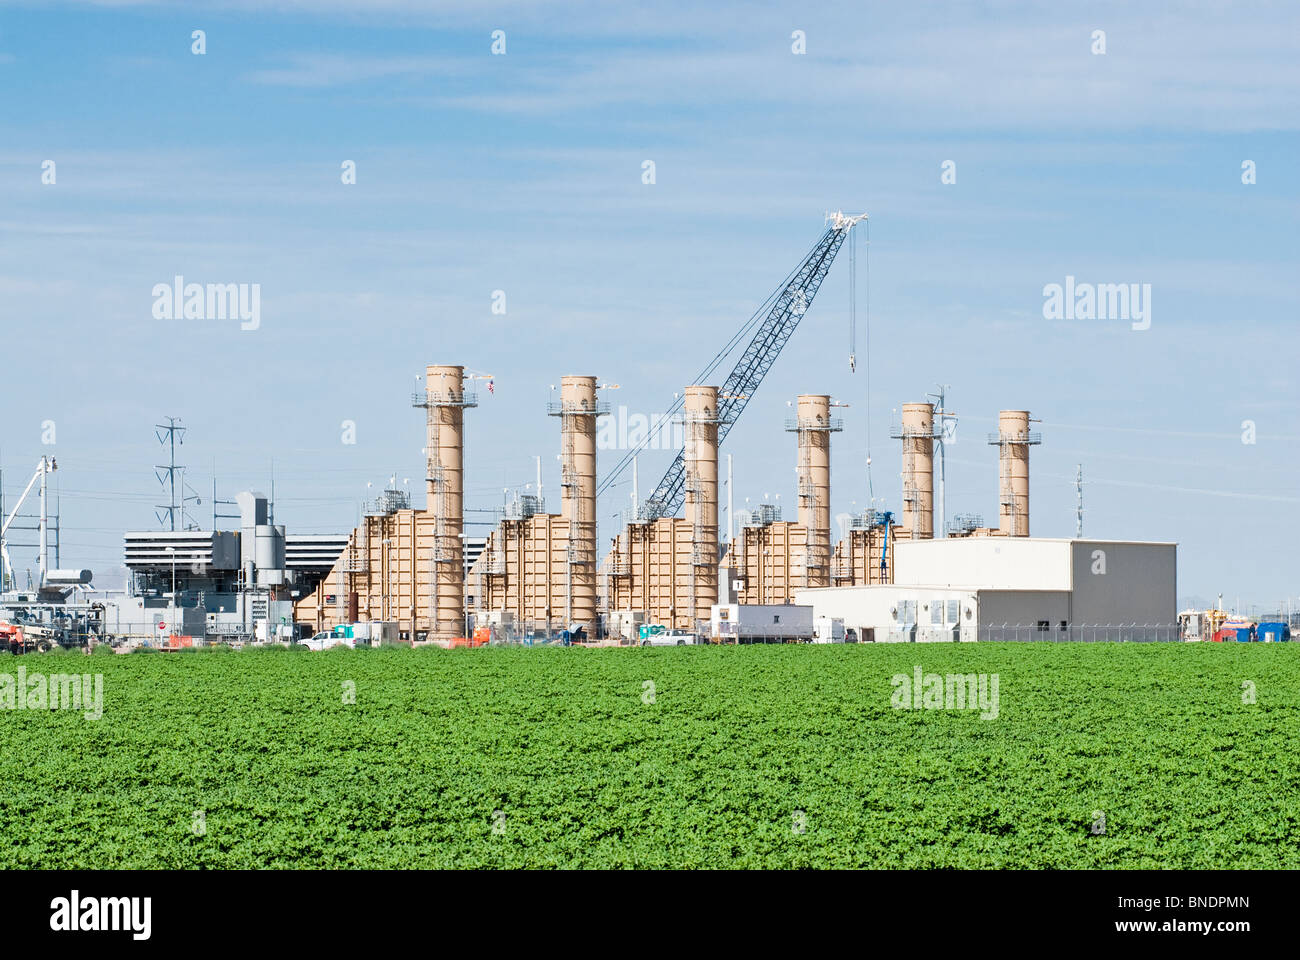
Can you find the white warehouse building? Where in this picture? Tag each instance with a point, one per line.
(1012, 588)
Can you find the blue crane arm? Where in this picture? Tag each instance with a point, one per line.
(791, 303)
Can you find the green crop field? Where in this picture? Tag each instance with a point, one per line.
(670, 757)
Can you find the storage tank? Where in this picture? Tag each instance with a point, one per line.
(67, 578)
(268, 554)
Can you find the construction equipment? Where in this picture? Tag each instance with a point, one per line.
(17, 640)
(481, 638)
(46, 466)
(772, 325)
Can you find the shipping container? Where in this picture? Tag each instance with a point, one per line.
(762, 623)
(1273, 631)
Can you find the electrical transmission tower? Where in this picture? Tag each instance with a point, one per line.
(170, 434)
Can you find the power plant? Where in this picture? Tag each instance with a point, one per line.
(667, 575)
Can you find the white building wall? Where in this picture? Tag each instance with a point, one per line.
(886, 613)
(999, 563)
(1008, 580)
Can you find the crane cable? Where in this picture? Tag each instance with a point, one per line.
(752, 323)
(867, 330)
(853, 302)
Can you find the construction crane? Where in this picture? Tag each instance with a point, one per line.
(772, 325)
(46, 466)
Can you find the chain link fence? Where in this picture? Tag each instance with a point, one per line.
(1080, 632)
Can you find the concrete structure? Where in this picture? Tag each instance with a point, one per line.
(521, 577)
(916, 430)
(386, 572)
(768, 557)
(405, 565)
(667, 568)
(1013, 441)
(772, 557)
(537, 571)
(994, 588)
(700, 423)
(813, 427)
(577, 412)
(445, 399)
(865, 554)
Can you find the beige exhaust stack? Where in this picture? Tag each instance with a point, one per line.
(577, 411)
(445, 399)
(814, 426)
(1013, 440)
(917, 434)
(700, 419)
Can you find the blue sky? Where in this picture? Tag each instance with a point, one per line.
(522, 173)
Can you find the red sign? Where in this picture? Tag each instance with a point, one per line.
(161, 625)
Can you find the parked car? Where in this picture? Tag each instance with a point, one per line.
(324, 640)
(669, 638)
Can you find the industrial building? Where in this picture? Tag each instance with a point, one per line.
(665, 569)
(772, 557)
(536, 575)
(995, 583)
(995, 588)
(536, 572)
(401, 564)
(221, 584)
(890, 575)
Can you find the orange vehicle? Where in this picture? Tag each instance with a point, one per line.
(482, 637)
(15, 641)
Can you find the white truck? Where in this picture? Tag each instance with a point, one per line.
(324, 640)
(656, 635)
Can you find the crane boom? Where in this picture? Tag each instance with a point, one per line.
(788, 305)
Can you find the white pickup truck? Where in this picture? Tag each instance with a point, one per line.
(670, 638)
(325, 640)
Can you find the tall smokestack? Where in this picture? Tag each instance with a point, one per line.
(917, 434)
(577, 411)
(700, 418)
(445, 399)
(1013, 440)
(813, 426)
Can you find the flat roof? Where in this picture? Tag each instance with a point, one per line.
(1001, 539)
(970, 588)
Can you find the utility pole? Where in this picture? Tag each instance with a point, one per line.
(941, 418)
(45, 523)
(1078, 513)
(215, 502)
